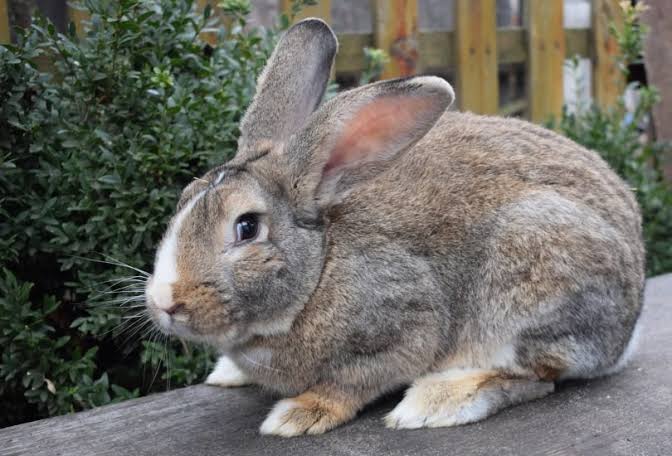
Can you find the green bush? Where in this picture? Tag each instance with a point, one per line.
(98, 135)
(617, 137)
(615, 133)
(93, 155)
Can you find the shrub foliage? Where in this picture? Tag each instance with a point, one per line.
(616, 133)
(98, 136)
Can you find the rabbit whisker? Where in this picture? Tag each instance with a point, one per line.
(251, 361)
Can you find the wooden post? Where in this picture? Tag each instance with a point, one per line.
(476, 51)
(608, 82)
(396, 31)
(321, 10)
(209, 35)
(5, 35)
(77, 15)
(658, 62)
(546, 51)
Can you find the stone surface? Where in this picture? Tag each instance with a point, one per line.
(626, 414)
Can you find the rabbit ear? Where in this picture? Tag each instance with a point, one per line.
(356, 135)
(291, 86)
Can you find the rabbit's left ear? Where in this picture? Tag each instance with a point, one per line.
(291, 85)
(357, 135)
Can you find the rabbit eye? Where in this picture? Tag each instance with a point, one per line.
(247, 227)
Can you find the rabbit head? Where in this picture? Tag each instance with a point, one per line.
(247, 245)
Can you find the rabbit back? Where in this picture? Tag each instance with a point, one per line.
(534, 242)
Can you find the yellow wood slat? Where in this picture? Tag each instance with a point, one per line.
(396, 32)
(211, 34)
(321, 10)
(76, 15)
(546, 55)
(216, 11)
(437, 49)
(476, 51)
(607, 80)
(5, 35)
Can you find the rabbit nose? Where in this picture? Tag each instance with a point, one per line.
(174, 309)
(161, 295)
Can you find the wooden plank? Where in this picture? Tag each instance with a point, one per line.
(512, 108)
(577, 42)
(546, 48)
(658, 61)
(209, 34)
(322, 10)
(476, 51)
(437, 49)
(625, 414)
(76, 15)
(201, 4)
(396, 31)
(5, 33)
(607, 80)
(350, 56)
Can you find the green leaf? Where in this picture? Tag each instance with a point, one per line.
(111, 179)
(70, 143)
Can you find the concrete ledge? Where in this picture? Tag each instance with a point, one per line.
(626, 414)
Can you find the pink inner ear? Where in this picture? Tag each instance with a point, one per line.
(378, 131)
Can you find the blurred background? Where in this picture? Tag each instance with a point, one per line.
(108, 108)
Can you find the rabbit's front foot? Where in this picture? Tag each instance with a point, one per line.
(226, 374)
(312, 412)
(461, 396)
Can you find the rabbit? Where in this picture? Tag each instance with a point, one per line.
(379, 241)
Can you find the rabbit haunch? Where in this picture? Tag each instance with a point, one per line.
(475, 260)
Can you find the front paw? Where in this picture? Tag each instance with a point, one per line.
(226, 374)
(305, 414)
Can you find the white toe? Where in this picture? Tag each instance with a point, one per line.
(428, 403)
(276, 423)
(410, 413)
(226, 374)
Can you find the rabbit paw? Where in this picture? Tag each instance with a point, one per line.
(415, 412)
(305, 414)
(461, 396)
(226, 374)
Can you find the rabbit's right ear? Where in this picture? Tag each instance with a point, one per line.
(356, 136)
(291, 86)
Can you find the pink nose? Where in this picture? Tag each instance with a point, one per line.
(174, 309)
(161, 295)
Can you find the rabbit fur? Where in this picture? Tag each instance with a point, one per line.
(477, 259)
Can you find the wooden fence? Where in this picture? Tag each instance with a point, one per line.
(474, 50)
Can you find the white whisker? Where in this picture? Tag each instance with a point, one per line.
(126, 288)
(251, 361)
(115, 262)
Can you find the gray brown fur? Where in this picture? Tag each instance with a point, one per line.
(486, 243)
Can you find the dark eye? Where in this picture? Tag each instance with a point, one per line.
(247, 227)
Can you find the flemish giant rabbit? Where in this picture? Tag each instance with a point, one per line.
(378, 241)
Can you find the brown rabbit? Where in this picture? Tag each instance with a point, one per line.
(379, 241)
